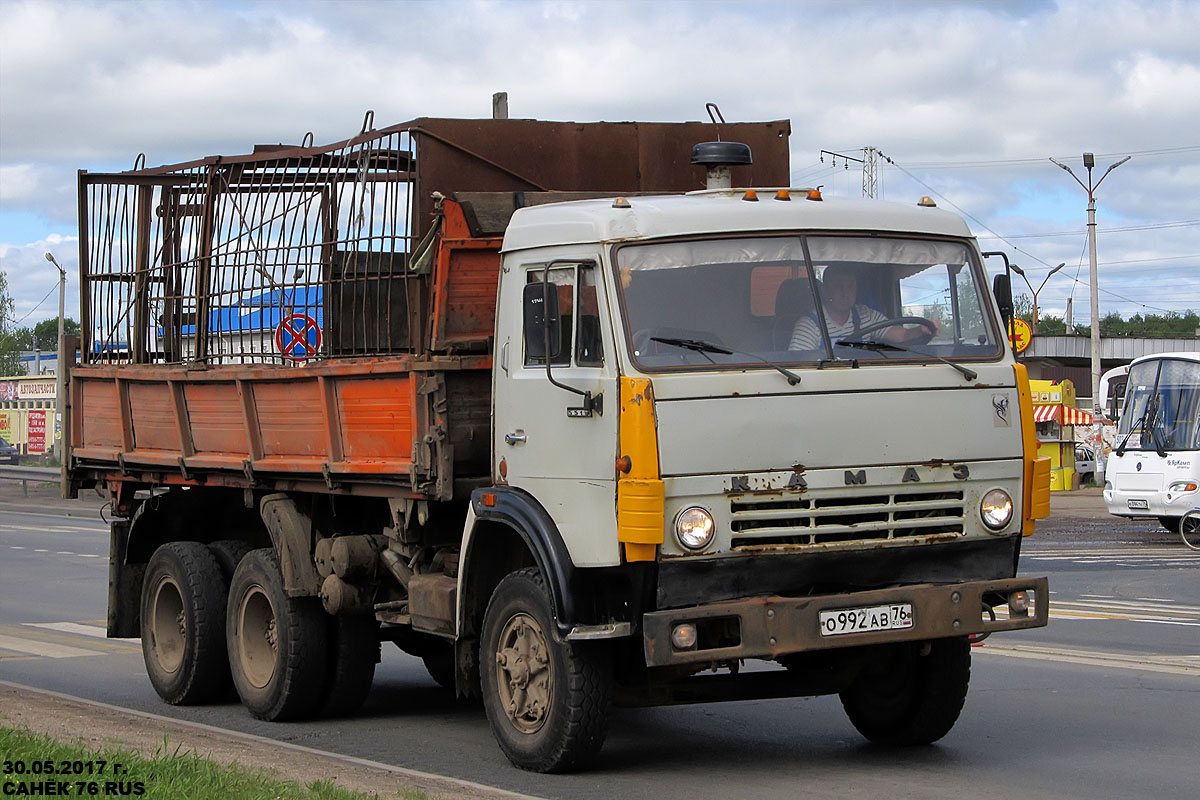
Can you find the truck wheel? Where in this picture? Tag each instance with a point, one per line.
(547, 701)
(229, 553)
(439, 663)
(183, 624)
(276, 643)
(353, 654)
(910, 696)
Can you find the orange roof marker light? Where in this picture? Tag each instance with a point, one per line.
(750, 195)
(783, 194)
(926, 202)
(815, 194)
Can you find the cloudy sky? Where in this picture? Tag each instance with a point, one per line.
(968, 99)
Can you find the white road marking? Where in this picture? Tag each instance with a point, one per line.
(45, 649)
(1174, 665)
(95, 631)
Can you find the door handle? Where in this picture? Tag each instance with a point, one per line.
(513, 438)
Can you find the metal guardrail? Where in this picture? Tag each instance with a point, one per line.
(46, 474)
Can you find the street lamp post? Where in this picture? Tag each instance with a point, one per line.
(58, 364)
(1024, 277)
(1089, 161)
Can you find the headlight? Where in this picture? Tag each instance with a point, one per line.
(1182, 486)
(694, 528)
(996, 509)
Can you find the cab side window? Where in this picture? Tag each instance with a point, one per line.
(562, 282)
(579, 317)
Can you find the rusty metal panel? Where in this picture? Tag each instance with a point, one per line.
(377, 418)
(291, 416)
(215, 415)
(100, 413)
(152, 409)
(466, 294)
(482, 155)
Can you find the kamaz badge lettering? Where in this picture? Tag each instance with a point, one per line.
(961, 471)
(910, 476)
(853, 478)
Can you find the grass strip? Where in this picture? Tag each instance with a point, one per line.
(28, 758)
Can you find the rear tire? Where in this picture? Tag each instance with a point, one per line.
(229, 553)
(547, 701)
(353, 654)
(277, 644)
(183, 624)
(906, 697)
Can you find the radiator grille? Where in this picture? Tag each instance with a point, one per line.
(762, 522)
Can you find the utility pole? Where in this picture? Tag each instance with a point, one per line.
(1089, 161)
(59, 372)
(870, 167)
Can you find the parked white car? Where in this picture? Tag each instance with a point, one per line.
(1085, 463)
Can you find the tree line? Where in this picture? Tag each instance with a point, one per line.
(1169, 325)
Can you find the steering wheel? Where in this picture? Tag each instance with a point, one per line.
(924, 338)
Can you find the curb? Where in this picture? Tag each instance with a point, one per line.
(446, 786)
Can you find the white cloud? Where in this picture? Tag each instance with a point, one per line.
(92, 84)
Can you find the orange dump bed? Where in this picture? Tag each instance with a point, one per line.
(369, 426)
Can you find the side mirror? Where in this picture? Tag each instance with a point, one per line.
(540, 301)
(1003, 292)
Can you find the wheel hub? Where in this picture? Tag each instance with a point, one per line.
(523, 677)
(168, 627)
(258, 638)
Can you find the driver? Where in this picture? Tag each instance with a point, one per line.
(845, 317)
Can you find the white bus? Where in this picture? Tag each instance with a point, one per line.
(1154, 470)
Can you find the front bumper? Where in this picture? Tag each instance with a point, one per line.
(769, 627)
(1157, 502)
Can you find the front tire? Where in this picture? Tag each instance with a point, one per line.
(183, 624)
(910, 695)
(277, 644)
(1170, 523)
(547, 701)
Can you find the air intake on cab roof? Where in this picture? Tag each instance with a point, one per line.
(720, 158)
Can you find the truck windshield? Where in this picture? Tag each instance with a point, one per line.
(797, 299)
(1162, 406)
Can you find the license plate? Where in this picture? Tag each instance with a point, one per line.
(1142, 504)
(893, 617)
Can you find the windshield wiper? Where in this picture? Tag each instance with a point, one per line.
(967, 373)
(1147, 420)
(708, 347)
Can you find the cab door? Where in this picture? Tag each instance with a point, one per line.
(544, 441)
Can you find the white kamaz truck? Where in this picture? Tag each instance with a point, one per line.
(571, 433)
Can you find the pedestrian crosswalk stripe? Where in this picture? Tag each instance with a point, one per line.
(44, 649)
(95, 631)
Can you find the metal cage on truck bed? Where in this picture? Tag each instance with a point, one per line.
(312, 315)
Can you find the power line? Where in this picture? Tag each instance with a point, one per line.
(1155, 227)
(1041, 160)
(35, 308)
(968, 215)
